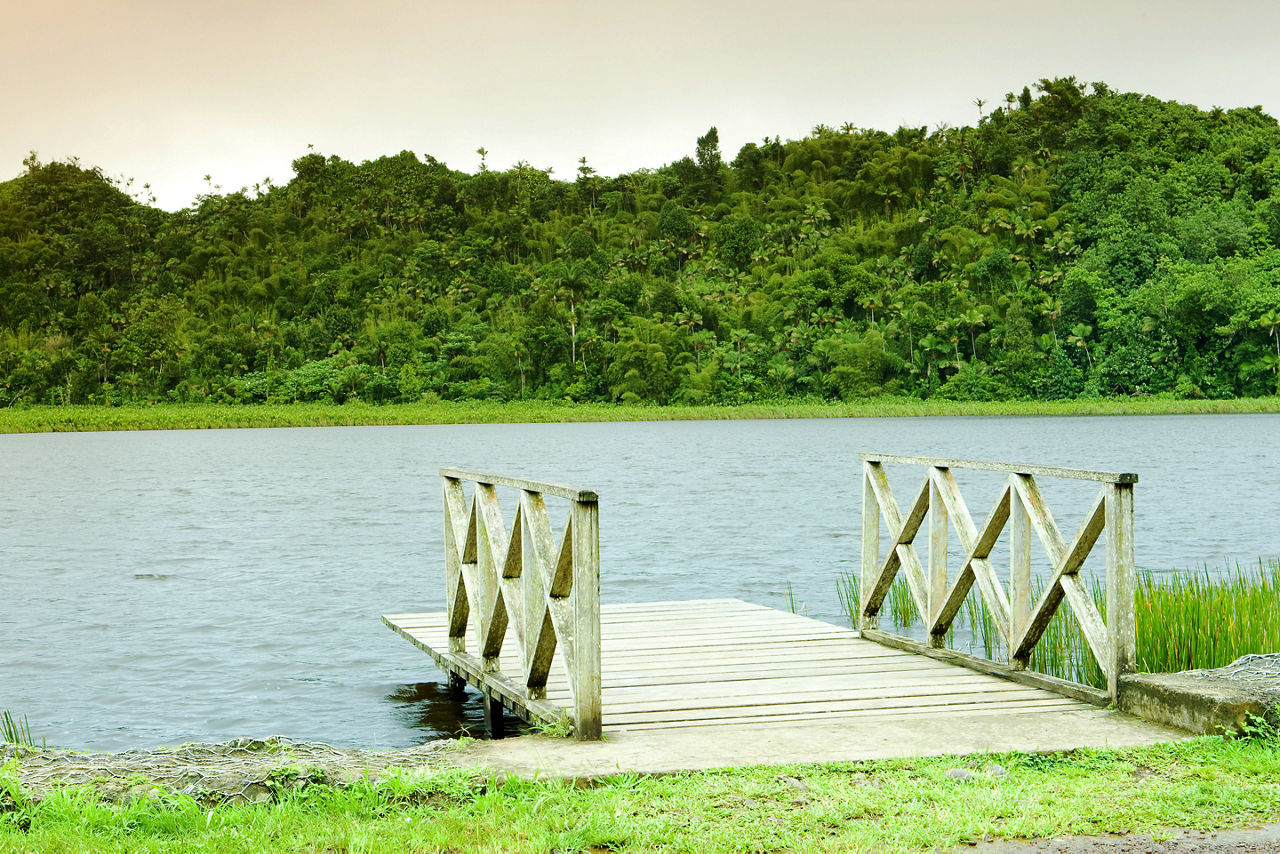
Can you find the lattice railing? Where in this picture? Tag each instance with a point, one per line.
(526, 588)
(1021, 507)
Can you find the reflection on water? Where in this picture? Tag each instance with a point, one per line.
(175, 586)
(436, 709)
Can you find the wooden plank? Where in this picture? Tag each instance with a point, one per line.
(983, 665)
(741, 672)
(796, 658)
(562, 490)
(660, 636)
(730, 604)
(756, 710)
(717, 625)
(972, 710)
(746, 651)
(678, 706)
(796, 689)
(1018, 468)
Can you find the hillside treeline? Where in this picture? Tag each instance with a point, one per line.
(1077, 241)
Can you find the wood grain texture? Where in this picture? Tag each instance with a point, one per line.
(1022, 509)
(1014, 468)
(748, 665)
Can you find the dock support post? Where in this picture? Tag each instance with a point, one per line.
(586, 620)
(1122, 631)
(493, 726)
(457, 686)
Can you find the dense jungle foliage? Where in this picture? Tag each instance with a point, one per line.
(1076, 242)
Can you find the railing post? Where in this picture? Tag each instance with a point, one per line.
(1122, 632)
(586, 619)
(939, 522)
(870, 549)
(1019, 568)
(455, 592)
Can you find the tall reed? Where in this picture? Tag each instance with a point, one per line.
(1195, 619)
(16, 731)
(901, 607)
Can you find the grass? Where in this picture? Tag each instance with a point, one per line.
(887, 806)
(1196, 619)
(46, 419)
(16, 730)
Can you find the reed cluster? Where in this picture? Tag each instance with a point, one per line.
(16, 730)
(1189, 620)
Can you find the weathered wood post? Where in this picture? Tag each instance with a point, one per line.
(1019, 560)
(870, 568)
(1122, 582)
(455, 587)
(586, 618)
(939, 522)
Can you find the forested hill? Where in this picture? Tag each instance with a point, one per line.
(1077, 241)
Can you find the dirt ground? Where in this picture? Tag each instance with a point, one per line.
(244, 770)
(1264, 839)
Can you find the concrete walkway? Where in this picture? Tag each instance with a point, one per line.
(783, 743)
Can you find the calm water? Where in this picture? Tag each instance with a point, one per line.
(177, 586)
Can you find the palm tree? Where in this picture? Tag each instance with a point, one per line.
(1270, 321)
(1079, 333)
(972, 319)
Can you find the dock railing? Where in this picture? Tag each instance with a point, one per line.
(1020, 621)
(523, 583)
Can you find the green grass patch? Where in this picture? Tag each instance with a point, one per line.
(900, 805)
(46, 419)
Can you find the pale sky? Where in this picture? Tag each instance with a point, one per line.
(166, 91)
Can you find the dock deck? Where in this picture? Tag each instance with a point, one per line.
(722, 662)
(715, 682)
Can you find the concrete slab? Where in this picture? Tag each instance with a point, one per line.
(781, 743)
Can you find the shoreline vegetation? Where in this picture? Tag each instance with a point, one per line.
(188, 416)
(922, 804)
(1076, 242)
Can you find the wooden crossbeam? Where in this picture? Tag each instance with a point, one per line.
(1070, 564)
(976, 566)
(902, 554)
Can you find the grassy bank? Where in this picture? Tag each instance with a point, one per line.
(902, 805)
(46, 419)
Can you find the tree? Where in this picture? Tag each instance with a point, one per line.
(710, 166)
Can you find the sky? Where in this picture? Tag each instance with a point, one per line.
(166, 92)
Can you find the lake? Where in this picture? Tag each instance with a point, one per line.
(165, 587)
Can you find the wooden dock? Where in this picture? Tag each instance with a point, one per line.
(524, 624)
(725, 662)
